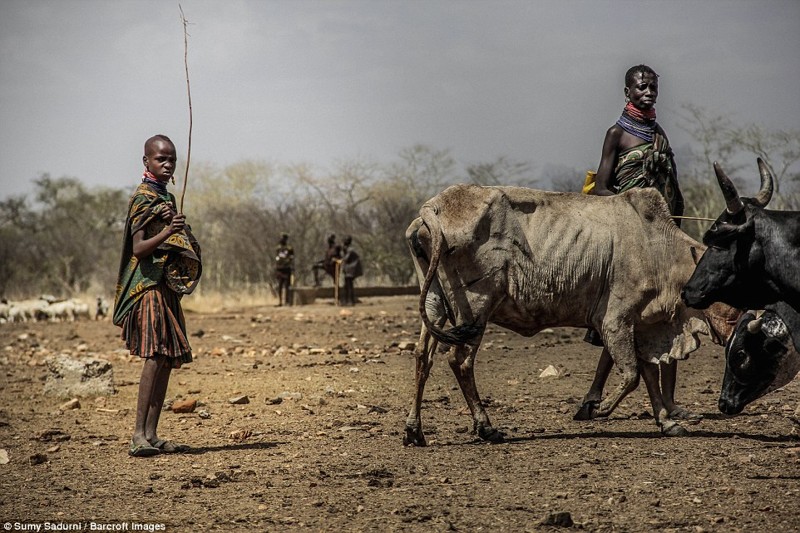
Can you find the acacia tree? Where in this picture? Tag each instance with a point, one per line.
(67, 241)
(501, 171)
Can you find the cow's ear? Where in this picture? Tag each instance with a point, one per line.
(695, 255)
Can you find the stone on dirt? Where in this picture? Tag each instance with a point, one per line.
(239, 400)
(184, 406)
(37, 459)
(558, 519)
(550, 372)
(71, 404)
(4, 457)
(240, 435)
(87, 376)
(53, 435)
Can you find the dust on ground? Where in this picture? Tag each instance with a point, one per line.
(319, 445)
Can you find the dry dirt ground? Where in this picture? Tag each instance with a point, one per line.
(329, 456)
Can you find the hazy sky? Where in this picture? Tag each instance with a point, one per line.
(84, 82)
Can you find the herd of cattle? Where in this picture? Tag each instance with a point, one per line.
(51, 309)
(527, 260)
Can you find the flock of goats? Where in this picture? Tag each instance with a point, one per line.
(52, 309)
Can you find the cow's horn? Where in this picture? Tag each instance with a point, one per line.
(734, 203)
(767, 185)
(754, 326)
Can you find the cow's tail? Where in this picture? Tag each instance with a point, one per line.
(460, 334)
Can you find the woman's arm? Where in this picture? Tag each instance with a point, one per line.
(605, 171)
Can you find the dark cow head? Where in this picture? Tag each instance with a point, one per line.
(731, 269)
(760, 357)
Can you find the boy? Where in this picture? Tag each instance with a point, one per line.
(160, 262)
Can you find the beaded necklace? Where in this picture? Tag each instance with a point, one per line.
(150, 178)
(641, 124)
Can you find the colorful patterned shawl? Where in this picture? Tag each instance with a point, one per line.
(176, 261)
(648, 165)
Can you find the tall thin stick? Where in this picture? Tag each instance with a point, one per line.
(189, 93)
(694, 218)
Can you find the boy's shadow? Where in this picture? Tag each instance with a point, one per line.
(200, 450)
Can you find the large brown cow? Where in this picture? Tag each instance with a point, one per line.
(527, 260)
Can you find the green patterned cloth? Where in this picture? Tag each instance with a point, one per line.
(649, 165)
(176, 261)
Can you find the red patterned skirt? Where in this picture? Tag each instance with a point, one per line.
(155, 326)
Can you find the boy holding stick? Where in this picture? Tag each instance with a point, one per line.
(160, 263)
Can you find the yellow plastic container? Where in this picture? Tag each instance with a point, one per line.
(588, 184)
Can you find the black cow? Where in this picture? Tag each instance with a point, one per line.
(753, 253)
(761, 356)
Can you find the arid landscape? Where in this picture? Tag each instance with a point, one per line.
(318, 443)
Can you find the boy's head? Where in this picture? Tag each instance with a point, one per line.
(284, 238)
(159, 157)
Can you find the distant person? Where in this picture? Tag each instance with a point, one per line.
(160, 263)
(351, 268)
(636, 153)
(284, 268)
(328, 262)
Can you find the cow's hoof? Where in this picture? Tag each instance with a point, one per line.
(490, 434)
(674, 430)
(414, 437)
(587, 411)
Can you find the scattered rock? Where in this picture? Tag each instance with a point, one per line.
(550, 372)
(184, 406)
(70, 377)
(285, 395)
(55, 435)
(559, 519)
(239, 400)
(37, 459)
(406, 346)
(72, 404)
(4, 457)
(205, 415)
(240, 435)
(274, 401)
